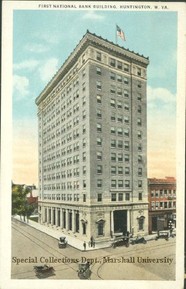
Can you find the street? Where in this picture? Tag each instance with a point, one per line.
(30, 247)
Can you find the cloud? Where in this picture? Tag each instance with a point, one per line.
(92, 15)
(20, 86)
(27, 64)
(160, 94)
(48, 69)
(36, 48)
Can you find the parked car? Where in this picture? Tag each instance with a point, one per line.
(121, 241)
(138, 240)
(62, 242)
(163, 235)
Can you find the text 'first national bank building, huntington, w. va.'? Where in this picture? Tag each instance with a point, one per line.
(92, 123)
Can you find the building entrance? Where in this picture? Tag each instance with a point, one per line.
(120, 221)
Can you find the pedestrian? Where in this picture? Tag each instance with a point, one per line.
(84, 246)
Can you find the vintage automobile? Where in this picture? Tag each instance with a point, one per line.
(138, 240)
(163, 235)
(44, 271)
(121, 241)
(62, 243)
(84, 271)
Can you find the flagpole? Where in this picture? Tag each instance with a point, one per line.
(116, 34)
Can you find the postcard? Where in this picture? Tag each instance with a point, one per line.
(92, 142)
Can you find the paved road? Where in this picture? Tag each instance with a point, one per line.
(31, 247)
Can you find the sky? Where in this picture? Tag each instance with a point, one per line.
(42, 41)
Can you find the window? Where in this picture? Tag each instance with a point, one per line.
(126, 132)
(139, 184)
(112, 76)
(99, 156)
(127, 171)
(113, 103)
(139, 84)
(138, 71)
(139, 172)
(113, 143)
(139, 147)
(120, 118)
(126, 93)
(112, 62)
(119, 64)
(120, 183)
(113, 183)
(113, 117)
(120, 144)
(98, 84)
(98, 56)
(126, 119)
(139, 108)
(140, 196)
(126, 158)
(100, 229)
(119, 104)
(83, 86)
(113, 89)
(99, 197)
(84, 114)
(113, 157)
(120, 131)
(139, 121)
(139, 97)
(84, 198)
(126, 80)
(99, 141)
(99, 183)
(99, 169)
(84, 170)
(141, 223)
(126, 107)
(126, 145)
(113, 170)
(99, 99)
(127, 197)
(120, 170)
(119, 91)
(84, 129)
(139, 134)
(113, 197)
(113, 130)
(99, 127)
(84, 184)
(98, 70)
(99, 113)
(139, 159)
(84, 156)
(126, 67)
(119, 78)
(120, 157)
(127, 184)
(120, 197)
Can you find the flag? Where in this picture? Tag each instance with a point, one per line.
(120, 33)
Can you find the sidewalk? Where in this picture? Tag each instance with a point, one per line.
(56, 233)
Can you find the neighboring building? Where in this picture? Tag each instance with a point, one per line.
(162, 203)
(93, 142)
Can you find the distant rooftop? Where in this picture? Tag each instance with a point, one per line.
(166, 180)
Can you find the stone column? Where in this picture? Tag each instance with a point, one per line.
(61, 218)
(112, 223)
(67, 219)
(56, 216)
(47, 215)
(73, 221)
(52, 216)
(128, 220)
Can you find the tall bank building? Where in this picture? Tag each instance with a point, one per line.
(92, 128)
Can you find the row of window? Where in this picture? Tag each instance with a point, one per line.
(161, 193)
(162, 205)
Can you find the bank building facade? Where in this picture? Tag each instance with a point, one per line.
(92, 129)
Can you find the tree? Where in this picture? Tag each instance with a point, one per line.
(20, 205)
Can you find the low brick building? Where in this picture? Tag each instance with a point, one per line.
(162, 203)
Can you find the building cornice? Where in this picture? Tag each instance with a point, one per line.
(90, 39)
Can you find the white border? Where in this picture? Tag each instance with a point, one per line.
(6, 155)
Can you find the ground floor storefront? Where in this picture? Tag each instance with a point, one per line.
(161, 220)
(100, 222)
